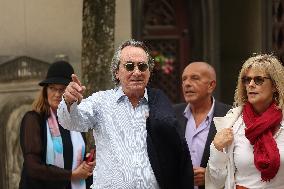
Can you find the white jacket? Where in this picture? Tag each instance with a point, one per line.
(225, 181)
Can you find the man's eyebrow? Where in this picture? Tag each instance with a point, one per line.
(129, 61)
(195, 75)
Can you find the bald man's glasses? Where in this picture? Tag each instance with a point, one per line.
(130, 66)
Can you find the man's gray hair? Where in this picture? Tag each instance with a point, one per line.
(116, 57)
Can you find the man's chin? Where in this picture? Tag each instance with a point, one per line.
(190, 100)
(137, 89)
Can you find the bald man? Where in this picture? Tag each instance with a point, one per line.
(195, 116)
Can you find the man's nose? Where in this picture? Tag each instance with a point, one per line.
(186, 82)
(136, 70)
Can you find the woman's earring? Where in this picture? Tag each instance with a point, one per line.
(276, 97)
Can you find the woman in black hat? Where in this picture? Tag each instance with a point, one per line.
(53, 156)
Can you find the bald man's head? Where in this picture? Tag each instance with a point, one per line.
(198, 82)
(203, 68)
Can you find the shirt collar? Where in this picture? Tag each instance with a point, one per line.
(211, 112)
(119, 94)
(187, 111)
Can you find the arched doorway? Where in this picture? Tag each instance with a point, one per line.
(11, 157)
(13, 152)
(19, 77)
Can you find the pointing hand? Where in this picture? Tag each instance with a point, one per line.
(74, 91)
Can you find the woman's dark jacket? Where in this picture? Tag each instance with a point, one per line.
(168, 152)
(36, 174)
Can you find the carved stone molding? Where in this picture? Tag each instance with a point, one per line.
(22, 68)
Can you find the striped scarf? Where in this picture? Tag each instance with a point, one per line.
(54, 150)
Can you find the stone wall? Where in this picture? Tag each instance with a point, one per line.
(16, 97)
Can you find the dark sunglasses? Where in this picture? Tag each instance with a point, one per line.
(258, 80)
(142, 67)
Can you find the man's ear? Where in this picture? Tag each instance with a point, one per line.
(212, 85)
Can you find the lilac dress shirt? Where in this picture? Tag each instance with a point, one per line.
(196, 136)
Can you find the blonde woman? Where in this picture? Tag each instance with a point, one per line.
(248, 149)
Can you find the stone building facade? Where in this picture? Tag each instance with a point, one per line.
(19, 77)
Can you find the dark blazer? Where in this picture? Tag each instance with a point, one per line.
(36, 174)
(220, 110)
(168, 152)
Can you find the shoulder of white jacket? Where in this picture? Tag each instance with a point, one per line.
(235, 110)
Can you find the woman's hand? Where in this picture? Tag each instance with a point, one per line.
(223, 139)
(83, 171)
(92, 162)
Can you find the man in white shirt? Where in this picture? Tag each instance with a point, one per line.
(134, 127)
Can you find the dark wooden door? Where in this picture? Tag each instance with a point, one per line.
(278, 28)
(165, 31)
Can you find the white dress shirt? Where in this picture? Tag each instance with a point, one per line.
(120, 135)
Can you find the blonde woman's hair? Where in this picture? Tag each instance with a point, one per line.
(268, 64)
(40, 104)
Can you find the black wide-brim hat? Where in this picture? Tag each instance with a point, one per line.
(58, 73)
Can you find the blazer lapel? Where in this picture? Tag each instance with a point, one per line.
(210, 137)
(183, 122)
(181, 119)
(218, 111)
(152, 152)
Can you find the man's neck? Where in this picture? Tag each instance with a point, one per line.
(201, 107)
(199, 111)
(134, 99)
